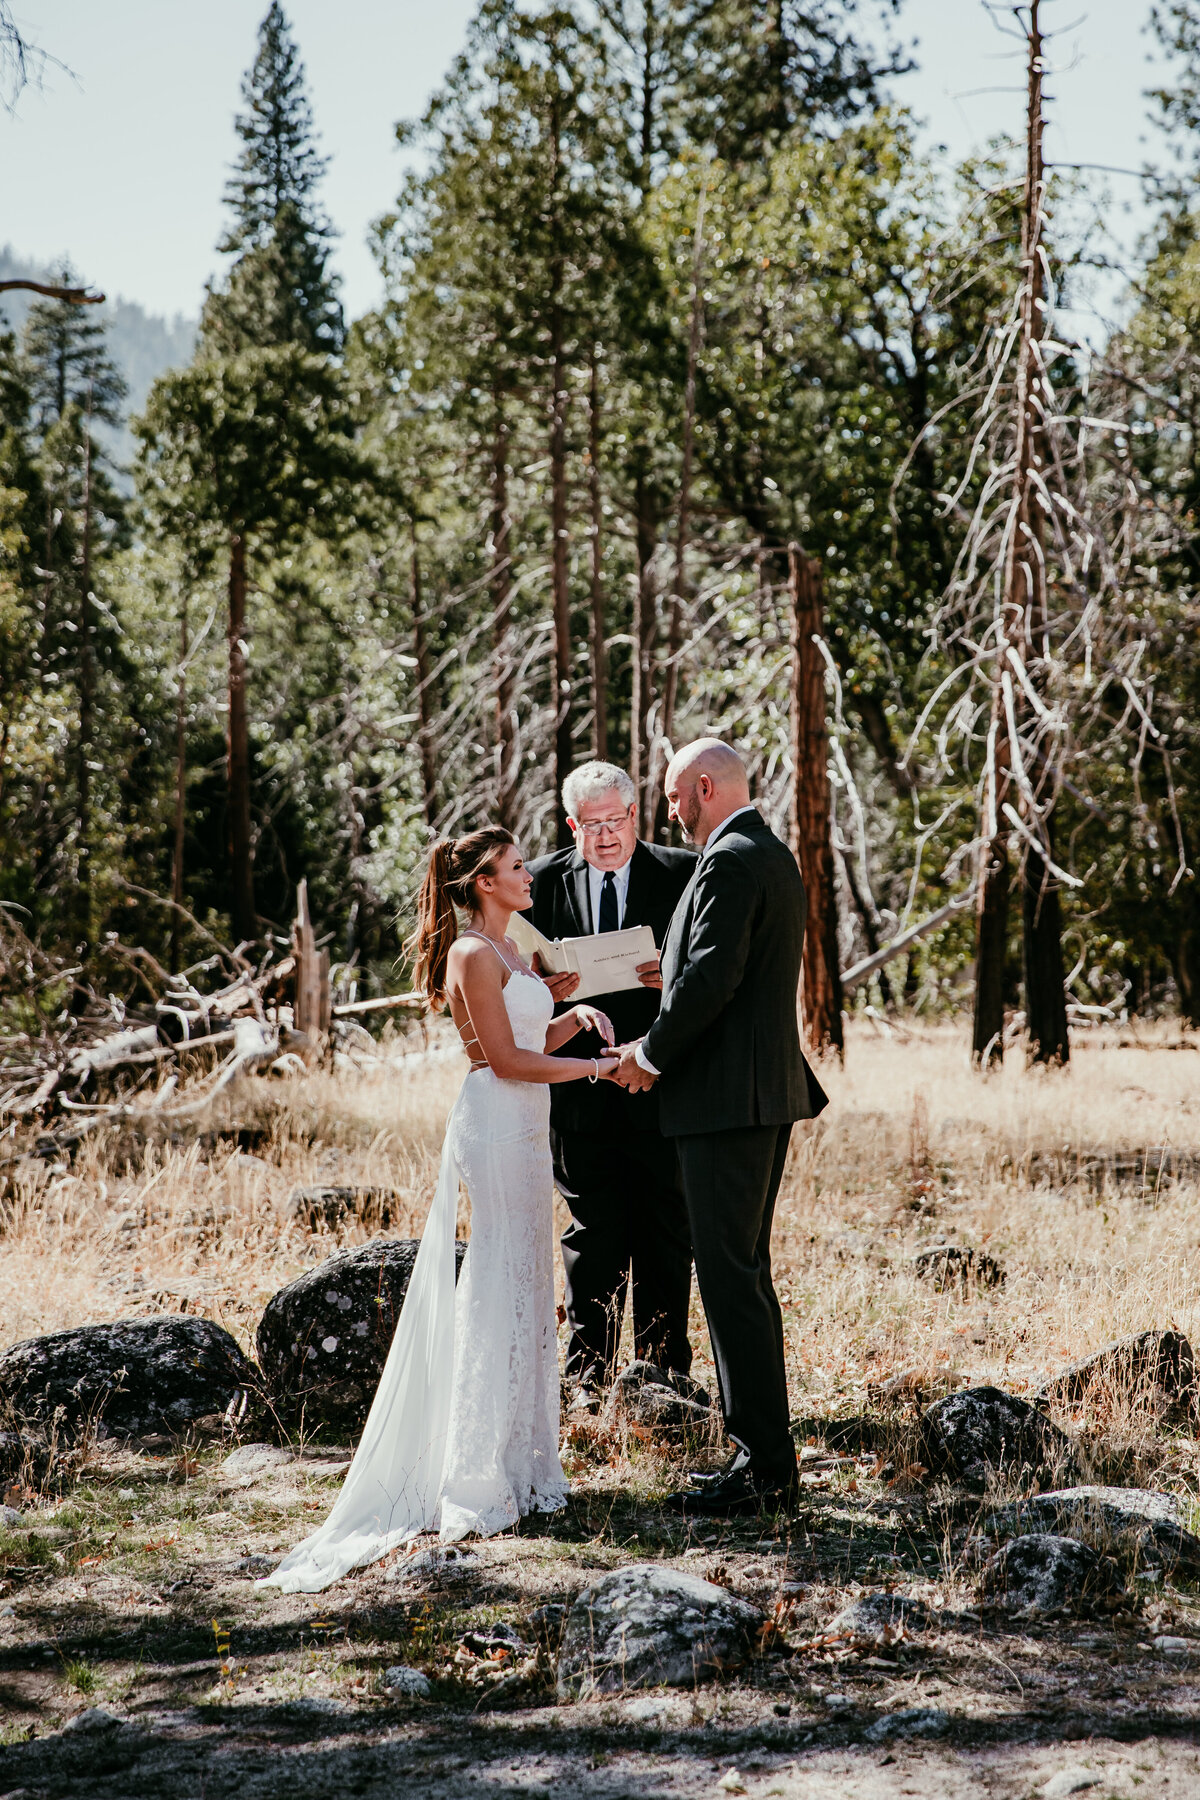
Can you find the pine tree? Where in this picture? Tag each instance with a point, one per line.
(74, 385)
(280, 289)
(252, 446)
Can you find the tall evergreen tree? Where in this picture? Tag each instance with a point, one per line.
(74, 385)
(280, 289)
(251, 446)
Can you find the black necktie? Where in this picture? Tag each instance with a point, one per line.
(608, 902)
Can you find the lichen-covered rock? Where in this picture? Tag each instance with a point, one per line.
(332, 1206)
(323, 1339)
(136, 1377)
(983, 1432)
(881, 1618)
(646, 1626)
(249, 1462)
(1155, 1365)
(958, 1266)
(645, 1395)
(1142, 1528)
(1044, 1573)
(908, 1722)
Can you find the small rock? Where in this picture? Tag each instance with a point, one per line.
(1174, 1646)
(958, 1266)
(140, 1376)
(646, 1712)
(1135, 1523)
(837, 1702)
(407, 1684)
(643, 1394)
(496, 1638)
(881, 1618)
(1156, 1365)
(255, 1566)
(1068, 1781)
(93, 1719)
(249, 1460)
(648, 1625)
(350, 1302)
(981, 1432)
(440, 1564)
(10, 1518)
(1042, 1573)
(332, 1206)
(908, 1722)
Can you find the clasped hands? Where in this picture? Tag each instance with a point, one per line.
(628, 1073)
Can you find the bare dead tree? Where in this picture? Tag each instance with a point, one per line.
(1038, 626)
(811, 839)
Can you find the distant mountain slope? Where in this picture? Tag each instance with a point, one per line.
(142, 343)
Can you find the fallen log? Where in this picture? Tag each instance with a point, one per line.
(859, 971)
(389, 1002)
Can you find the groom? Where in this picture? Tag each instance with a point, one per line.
(726, 1046)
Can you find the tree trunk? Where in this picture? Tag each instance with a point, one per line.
(1022, 611)
(425, 698)
(180, 775)
(244, 914)
(665, 740)
(599, 646)
(811, 837)
(502, 662)
(643, 634)
(559, 562)
(87, 702)
(1045, 990)
(991, 918)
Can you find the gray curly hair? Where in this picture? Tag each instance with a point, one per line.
(592, 781)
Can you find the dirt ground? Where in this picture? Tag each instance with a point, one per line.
(133, 1596)
(137, 1597)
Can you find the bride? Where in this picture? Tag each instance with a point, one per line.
(462, 1435)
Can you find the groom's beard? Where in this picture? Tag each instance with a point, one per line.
(689, 816)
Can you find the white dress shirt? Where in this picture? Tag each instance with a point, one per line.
(596, 882)
(639, 1055)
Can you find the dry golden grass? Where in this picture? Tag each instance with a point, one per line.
(914, 1149)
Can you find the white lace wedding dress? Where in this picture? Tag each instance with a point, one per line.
(462, 1435)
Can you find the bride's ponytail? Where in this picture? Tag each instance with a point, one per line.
(454, 867)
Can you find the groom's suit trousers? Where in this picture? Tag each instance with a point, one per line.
(731, 1179)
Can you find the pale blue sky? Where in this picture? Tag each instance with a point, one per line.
(123, 167)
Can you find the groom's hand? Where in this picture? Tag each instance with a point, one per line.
(630, 1073)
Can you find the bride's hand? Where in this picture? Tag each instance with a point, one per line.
(607, 1067)
(592, 1019)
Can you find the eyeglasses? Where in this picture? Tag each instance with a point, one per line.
(593, 827)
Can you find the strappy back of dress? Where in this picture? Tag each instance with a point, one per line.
(470, 1043)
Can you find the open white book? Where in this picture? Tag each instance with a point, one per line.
(605, 964)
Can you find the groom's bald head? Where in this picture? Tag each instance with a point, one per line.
(705, 782)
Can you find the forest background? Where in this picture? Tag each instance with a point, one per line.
(683, 334)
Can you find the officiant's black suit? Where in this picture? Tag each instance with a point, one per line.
(732, 1082)
(612, 1165)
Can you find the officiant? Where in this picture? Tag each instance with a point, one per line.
(616, 1171)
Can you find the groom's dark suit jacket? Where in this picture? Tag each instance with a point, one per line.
(560, 906)
(726, 1040)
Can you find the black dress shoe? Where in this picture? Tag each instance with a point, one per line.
(703, 1478)
(739, 1492)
